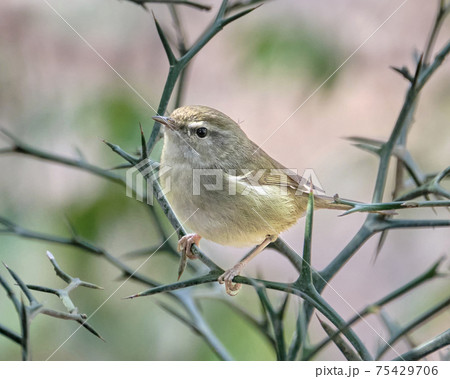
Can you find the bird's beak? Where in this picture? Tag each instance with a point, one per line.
(166, 121)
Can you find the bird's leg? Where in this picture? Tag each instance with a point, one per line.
(228, 276)
(184, 247)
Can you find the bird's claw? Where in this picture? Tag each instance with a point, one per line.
(227, 278)
(184, 247)
(185, 243)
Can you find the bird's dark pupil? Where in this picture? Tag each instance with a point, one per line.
(202, 132)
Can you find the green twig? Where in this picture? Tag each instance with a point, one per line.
(179, 64)
(343, 346)
(412, 325)
(23, 148)
(194, 4)
(13, 336)
(427, 348)
(276, 320)
(376, 207)
(305, 279)
(429, 274)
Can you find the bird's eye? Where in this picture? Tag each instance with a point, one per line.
(201, 132)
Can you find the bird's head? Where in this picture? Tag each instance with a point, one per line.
(204, 136)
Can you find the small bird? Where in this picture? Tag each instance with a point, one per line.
(225, 188)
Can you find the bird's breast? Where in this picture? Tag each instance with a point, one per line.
(224, 209)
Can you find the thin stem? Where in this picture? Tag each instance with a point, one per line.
(176, 69)
(194, 4)
(22, 148)
(427, 348)
(376, 207)
(332, 315)
(8, 333)
(311, 296)
(210, 338)
(181, 46)
(305, 279)
(440, 17)
(276, 321)
(343, 346)
(412, 325)
(431, 273)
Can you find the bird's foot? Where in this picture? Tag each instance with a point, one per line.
(185, 243)
(184, 247)
(227, 278)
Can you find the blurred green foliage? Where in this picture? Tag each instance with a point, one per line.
(119, 113)
(290, 49)
(90, 216)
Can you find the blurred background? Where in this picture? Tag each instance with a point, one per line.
(58, 95)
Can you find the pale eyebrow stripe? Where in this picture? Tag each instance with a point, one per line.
(195, 124)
